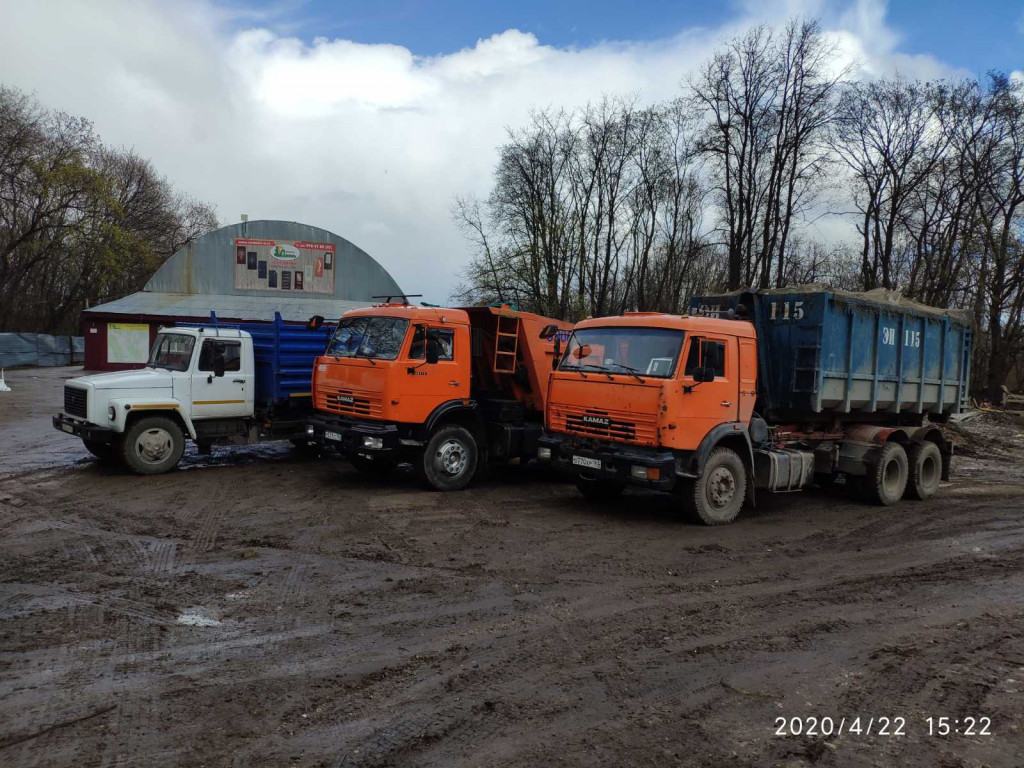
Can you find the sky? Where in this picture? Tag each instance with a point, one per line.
(368, 119)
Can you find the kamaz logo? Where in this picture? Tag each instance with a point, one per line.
(346, 399)
(597, 421)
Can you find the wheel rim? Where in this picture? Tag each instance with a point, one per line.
(154, 445)
(891, 478)
(452, 458)
(721, 487)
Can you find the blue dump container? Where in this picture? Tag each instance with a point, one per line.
(871, 357)
(284, 356)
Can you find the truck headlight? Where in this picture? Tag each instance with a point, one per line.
(373, 442)
(112, 413)
(310, 431)
(645, 473)
(544, 453)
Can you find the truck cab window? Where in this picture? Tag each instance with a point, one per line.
(701, 350)
(231, 351)
(369, 336)
(445, 341)
(172, 351)
(642, 351)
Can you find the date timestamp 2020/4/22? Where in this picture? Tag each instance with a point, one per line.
(895, 726)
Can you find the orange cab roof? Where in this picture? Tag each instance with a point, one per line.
(693, 323)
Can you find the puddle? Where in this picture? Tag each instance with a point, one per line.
(193, 619)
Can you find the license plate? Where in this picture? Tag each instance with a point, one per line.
(68, 428)
(583, 461)
(329, 435)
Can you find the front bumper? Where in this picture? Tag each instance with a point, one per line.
(82, 429)
(617, 460)
(350, 435)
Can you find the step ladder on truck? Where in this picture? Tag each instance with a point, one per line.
(448, 390)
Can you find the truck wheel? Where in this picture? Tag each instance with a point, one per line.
(925, 470)
(102, 451)
(449, 460)
(374, 467)
(716, 497)
(303, 447)
(887, 477)
(598, 490)
(152, 445)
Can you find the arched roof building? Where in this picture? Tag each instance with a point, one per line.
(243, 272)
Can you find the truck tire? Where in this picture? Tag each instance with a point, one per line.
(449, 459)
(373, 467)
(717, 496)
(101, 450)
(303, 447)
(887, 476)
(599, 490)
(924, 470)
(152, 445)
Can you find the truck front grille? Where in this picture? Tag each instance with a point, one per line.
(605, 425)
(349, 403)
(76, 401)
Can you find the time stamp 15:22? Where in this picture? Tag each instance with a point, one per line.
(895, 726)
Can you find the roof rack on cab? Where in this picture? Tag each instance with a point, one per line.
(403, 296)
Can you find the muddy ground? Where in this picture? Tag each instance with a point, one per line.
(260, 609)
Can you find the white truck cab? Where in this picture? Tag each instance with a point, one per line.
(198, 384)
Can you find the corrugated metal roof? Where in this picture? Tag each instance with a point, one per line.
(200, 278)
(199, 305)
(207, 264)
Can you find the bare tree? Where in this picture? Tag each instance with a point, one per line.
(79, 222)
(769, 99)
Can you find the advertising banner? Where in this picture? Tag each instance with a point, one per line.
(284, 265)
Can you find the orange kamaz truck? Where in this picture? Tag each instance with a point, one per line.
(761, 391)
(448, 390)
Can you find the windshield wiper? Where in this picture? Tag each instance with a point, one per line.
(365, 357)
(602, 369)
(577, 368)
(631, 371)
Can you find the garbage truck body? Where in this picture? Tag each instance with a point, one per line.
(768, 391)
(448, 390)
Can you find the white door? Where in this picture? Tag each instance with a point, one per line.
(220, 396)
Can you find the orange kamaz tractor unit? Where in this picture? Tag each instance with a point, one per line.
(445, 389)
(763, 390)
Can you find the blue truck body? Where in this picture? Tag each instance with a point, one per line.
(284, 355)
(832, 354)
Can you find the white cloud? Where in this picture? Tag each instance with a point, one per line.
(369, 141)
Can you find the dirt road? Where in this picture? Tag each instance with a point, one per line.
(259, 609)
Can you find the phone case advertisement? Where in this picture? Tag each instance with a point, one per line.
(259, 262)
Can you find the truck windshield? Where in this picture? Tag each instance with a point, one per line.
(367, 336)
(636, 351)
(172, 351)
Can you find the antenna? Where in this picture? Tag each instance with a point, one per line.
(403, 296)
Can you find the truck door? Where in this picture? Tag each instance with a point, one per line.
(216, 392)
(715, 402)
(428, 385)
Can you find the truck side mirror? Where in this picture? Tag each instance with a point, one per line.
(548, 331)
(705, 374)
(433, 350)
(315, 322)
(218, 365)
(712, 357)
